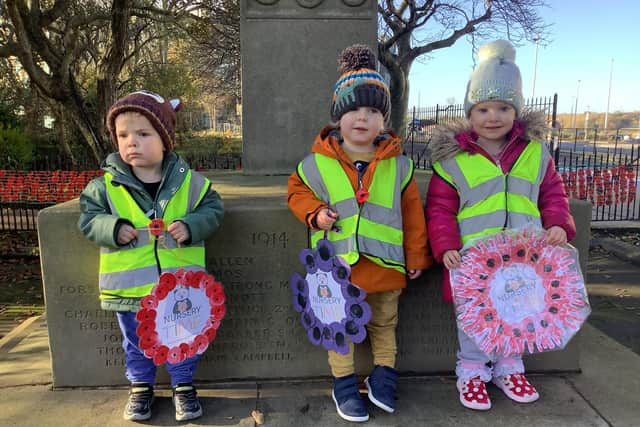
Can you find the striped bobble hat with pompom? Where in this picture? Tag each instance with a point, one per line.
(359, 85)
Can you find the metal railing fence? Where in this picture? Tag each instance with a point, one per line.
(598, 165)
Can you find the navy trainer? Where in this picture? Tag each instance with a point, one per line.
(382, 387)
(185, 399)
(346, 396)
(138, 406)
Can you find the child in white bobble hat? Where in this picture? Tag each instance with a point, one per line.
(500, 143)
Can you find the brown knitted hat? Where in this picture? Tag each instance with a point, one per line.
(160, 113)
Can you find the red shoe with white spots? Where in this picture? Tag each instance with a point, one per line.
(473, 394)
(517, 388)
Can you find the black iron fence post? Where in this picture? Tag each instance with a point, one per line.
(556, 137)
(413, 121)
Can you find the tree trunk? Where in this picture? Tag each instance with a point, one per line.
(110, 67)
(106, 96)
(82, 118)
(399, 88)
(63, 134)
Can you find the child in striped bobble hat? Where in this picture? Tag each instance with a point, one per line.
(391, 247)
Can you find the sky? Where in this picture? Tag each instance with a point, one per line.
(585, 37)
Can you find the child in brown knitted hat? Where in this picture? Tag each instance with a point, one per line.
(374, 200)
(144, 181)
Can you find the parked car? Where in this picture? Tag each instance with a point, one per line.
(419, 125)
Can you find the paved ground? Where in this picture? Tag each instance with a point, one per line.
(604, 394)
(614, 294)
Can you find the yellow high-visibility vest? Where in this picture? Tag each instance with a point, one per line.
(373, 229)
(491, 201)
(132, 270)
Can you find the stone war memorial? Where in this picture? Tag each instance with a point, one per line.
(289, 51)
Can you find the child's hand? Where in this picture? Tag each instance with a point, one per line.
(126, 234)
(451, 259)
(325, 219)
(179, 231)
(414, 274)
(556, 236)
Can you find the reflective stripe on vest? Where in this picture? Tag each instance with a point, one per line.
(491, 201)
(131, 271)
(373, 229)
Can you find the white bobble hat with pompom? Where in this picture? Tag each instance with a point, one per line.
(495, 78)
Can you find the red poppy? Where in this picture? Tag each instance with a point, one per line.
(181, 276)
(156, 226)
(184, 348)
(174, 355)
(206, 281)
(148, 341)
(362, 195)
(218, 311)
(217, 299)
(149, 302)
(161, 292)
(201, 342)
(161, 355)
(210, 334)
(167, 279)
(146, 327)
(163, 288)
(151, 351)
(214, 289)
(193, 350)
(193, 280)
(146, 314)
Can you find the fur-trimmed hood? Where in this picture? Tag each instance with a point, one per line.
(452, 138)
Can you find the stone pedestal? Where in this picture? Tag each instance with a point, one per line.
(253, 255)
(290, 50)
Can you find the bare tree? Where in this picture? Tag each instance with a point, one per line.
(77, 52)
(215, 55)
(413, 28)
(48, 43)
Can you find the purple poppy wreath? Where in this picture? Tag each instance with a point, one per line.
(333, 310)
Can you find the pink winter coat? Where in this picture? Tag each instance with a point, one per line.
(442, 201)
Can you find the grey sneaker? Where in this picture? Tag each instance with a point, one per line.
(139, 404)
(185, 399)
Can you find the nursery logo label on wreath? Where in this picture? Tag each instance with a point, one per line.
(182, 315)
(327, 301)
(519, 291)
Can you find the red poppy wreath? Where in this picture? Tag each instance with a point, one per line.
(181, 316)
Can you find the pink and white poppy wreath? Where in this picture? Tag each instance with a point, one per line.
(515, 294)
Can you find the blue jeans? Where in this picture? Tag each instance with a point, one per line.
(139, 367)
